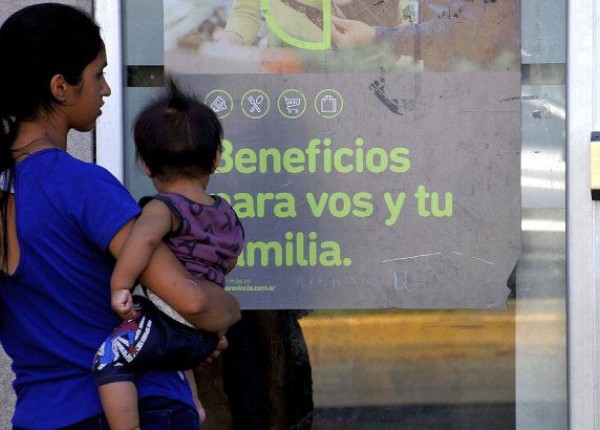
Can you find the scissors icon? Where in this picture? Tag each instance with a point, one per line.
(255, 102)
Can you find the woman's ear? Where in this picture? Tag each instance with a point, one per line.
(59, 88)
(216, 161)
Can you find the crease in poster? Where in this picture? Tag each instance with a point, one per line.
(372, 148)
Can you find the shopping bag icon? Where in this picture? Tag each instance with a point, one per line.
(328, 104)
(280, 32)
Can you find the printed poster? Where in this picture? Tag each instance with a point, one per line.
(371, 147)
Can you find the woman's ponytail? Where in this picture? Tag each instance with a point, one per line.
(8, 133)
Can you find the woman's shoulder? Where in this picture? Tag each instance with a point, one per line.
(68, 168)
(88, 167)
(57, 172)
(56, 160)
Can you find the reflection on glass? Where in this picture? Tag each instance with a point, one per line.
(412, 369)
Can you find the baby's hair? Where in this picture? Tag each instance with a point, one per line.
(177, 135)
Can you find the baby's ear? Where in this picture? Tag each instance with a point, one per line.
(216, 161)
(146, 169)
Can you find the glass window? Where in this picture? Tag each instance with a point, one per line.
(404, 200)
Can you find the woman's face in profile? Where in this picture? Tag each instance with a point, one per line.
(89, 95)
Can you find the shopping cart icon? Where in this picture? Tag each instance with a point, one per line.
(292, 104)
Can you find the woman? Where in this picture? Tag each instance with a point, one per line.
(62, 228)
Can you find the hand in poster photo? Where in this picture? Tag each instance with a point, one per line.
(450, 35)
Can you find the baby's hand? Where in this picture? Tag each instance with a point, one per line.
(122, 304)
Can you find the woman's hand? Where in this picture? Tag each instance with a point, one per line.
(223, 344)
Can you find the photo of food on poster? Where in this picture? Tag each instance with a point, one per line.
(371, 147)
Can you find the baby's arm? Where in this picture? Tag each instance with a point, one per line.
(148, 231)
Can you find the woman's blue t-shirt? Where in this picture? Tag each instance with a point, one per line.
(55, 310)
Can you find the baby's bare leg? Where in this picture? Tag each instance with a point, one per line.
(120, 404)
(189, 374)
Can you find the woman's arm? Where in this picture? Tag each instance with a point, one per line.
(347, 33)
(205, 304)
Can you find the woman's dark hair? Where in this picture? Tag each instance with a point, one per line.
(37, 43)
(177, 135)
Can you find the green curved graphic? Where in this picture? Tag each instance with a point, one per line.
(293, 41)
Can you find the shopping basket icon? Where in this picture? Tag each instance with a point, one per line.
(292, 104)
